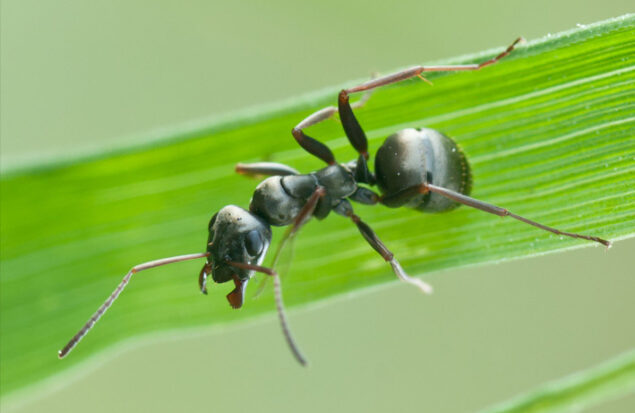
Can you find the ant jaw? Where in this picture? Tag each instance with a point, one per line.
(202, 278)
(237, 296)
(234, 300)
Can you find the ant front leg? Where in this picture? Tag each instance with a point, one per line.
(257, 169)
(303, 216)
(279, 306)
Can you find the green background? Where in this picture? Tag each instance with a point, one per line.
(77, 77)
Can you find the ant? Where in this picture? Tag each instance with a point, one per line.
(418, 168)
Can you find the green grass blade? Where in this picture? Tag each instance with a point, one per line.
(549, 132)
(580, 391)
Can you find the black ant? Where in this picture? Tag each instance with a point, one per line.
(418, 168)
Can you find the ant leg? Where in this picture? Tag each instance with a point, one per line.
(279, 305)
(352, 128)
(417, 70)
(374, 241)
(356, 137)
(400, 198)
(354, 131)
(306, 212)
(265, 168)
(312, 146)
(303, 216)
(493, 209)
(111, 299)
(364, 196)
(484, 206)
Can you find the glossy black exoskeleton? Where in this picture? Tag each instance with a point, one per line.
(412, 157)
(416, 168)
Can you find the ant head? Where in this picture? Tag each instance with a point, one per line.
(239, 236)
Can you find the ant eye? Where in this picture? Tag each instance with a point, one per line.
(253, 243)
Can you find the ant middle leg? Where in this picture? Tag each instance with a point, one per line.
(364, 196)
(346, 209)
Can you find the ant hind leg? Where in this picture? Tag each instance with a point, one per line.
(313, 146)
(483, 206)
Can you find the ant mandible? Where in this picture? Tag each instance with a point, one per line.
(418, 168)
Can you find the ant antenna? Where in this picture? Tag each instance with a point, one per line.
(111, 299)
(277, 288)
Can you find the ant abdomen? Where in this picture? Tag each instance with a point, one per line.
(412, 157)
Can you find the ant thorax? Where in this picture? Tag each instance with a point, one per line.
(279, 199)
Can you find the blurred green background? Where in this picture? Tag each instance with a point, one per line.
(84, 76)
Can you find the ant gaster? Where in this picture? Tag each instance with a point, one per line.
(418, 168)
